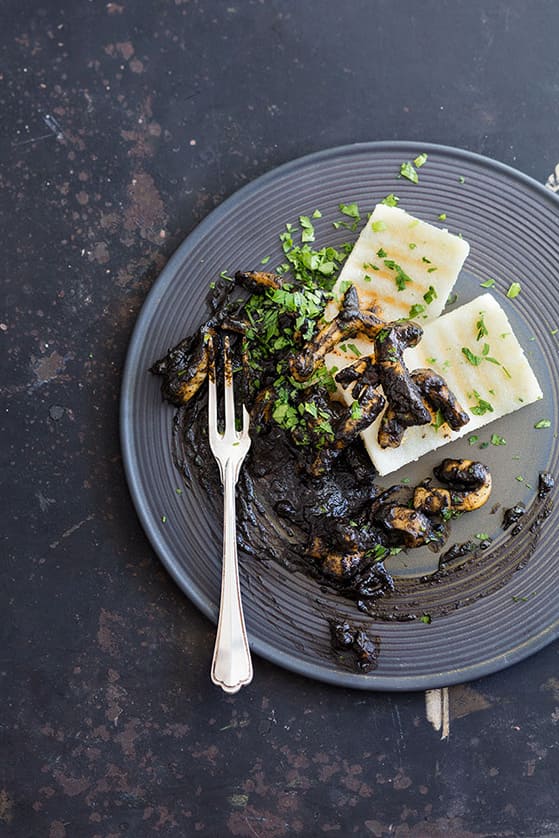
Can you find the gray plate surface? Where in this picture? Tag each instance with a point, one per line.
(511, 223)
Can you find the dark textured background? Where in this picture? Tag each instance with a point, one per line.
(124, 124)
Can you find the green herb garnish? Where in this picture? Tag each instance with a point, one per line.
(307, 229)
(481, 327)
(498, 440)
(416, 309)
(543, 423)
(408, 171)
(391, 200)
(356, 410)
(438, 420)
(401, 276)
(482, 406)
(514, 290)
(430, 295)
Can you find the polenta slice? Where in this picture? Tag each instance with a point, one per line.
(402, 266)
(475, 350)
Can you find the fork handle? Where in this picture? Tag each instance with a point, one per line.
(231, 665)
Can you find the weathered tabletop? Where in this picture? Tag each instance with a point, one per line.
(124, 125)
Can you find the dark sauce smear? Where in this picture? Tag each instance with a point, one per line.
(361, 650)
(282, 512)
(324, 513)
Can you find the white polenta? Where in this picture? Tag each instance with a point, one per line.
(505, 386)
(409, 248)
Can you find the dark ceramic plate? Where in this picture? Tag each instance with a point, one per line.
(511, 223)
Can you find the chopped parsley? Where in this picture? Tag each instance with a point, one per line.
(408, 171)
(416, 309)
(391, 200)
(438, 420)
(378, 226)
(381, 253)
(356, 410)
(498, 440)
(461, 179)
(481, 327)
(401, 276)
(351, 211)
(473, 439)
(476, 360)
(265, 260)
(420, 160)
(543, 423)
(426, 618)
(514, 290)
(489, 283)
(307, 229)
(442, 216)
(482, 406)
(430, 295)
(482, 536)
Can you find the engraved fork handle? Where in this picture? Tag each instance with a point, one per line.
(231, 665)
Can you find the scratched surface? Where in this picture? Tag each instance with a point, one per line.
(124, 124)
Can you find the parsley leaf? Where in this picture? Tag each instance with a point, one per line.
(482, 407)
(401, 276)
(356, 410)
(420, 160)
(514, 290)
(543, 423)
(438, 420)
(481, 327)
(307, 229)
(415, 310)
(475, 360)
(350, 209)
(498, 440)
(430, 295)
(408, 171)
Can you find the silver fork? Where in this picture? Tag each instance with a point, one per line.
(231, 665)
